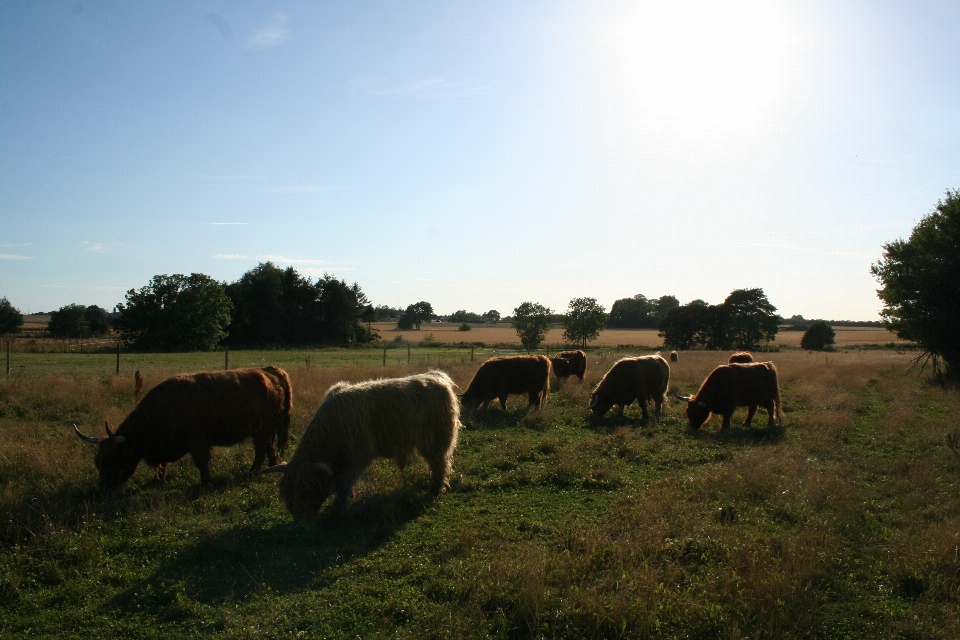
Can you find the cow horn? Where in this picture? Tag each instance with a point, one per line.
(114, 437)
(90, 439)
(677, 395)
(323, 466)
(277, 468)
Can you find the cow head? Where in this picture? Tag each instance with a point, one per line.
(697, 411)
(599, 405)
(561, 367)
(115, 459)
(304, 487)
(469, 401)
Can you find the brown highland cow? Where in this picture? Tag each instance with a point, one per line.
(641, 379)
(576, 364)
(357, 423)
(736, 385)
(742, 357)
(500, 377)
(192, 413)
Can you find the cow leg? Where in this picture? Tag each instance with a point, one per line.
(658, 406)
(263, 450)
(343, 486)
(201, 458)
(161, 473)
(536, 400)
(770, 419)
(726, 420)
(503, 402)
(752, 409)
(645, 417)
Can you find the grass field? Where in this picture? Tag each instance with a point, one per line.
(843, 523)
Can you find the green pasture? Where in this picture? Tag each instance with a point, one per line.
(843, 523)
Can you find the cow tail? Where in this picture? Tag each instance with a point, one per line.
(777, 402)
(283, 426)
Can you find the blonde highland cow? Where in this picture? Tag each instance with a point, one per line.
(357, 423)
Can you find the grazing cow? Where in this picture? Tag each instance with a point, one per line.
(577, 363)
(736, 385)
(629, 379)
(500, 377)
(192, 413)
(356, 423)
(674, 356)
(742, 357)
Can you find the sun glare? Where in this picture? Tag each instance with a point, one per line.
(694, 69)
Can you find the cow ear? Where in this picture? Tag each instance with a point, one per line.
(113, 436)
(323, 466)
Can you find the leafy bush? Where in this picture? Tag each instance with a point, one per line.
(818, 337)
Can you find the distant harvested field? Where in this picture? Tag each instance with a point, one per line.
(505, 334)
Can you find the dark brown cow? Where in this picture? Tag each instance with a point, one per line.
(742, 357)
(641, 379)
(576, 364)
(730, 386)
(192, 413)
(500, 377)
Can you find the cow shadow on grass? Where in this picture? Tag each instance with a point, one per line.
(738, 434)
(495, 418)
(290, 556)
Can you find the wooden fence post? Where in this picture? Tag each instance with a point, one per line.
(408, 354)
(8, 358)
(118, 357)
(384, 356)
(226, 358)
(471, 354)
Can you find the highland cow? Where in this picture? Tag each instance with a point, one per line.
(741, 357)
(736, 385)
(577, 363)
(500, 377)
(629, 379)
(674, 356)
(192, 413)
(357, 423)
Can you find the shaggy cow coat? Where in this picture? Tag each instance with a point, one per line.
(737, 385)
(742, 357)
(641, 379)
(357, 423)
(192, 413)
(500, 377)
(576, 364)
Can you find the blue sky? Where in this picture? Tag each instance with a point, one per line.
(474, 154)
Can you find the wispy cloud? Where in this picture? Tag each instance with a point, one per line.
(96, 247)
(223, 224)
(14, 244)
(272, 35)
(286, 260)
(230, 256)
(11, 256)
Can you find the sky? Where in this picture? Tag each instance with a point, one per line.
(475, 155)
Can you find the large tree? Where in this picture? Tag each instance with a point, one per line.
(415, 315)
(69, 321)
(10, 317)
(583, 321)
(749, 319)
(920, 284)
(687, 327)
(175, 312)
(532, 321)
